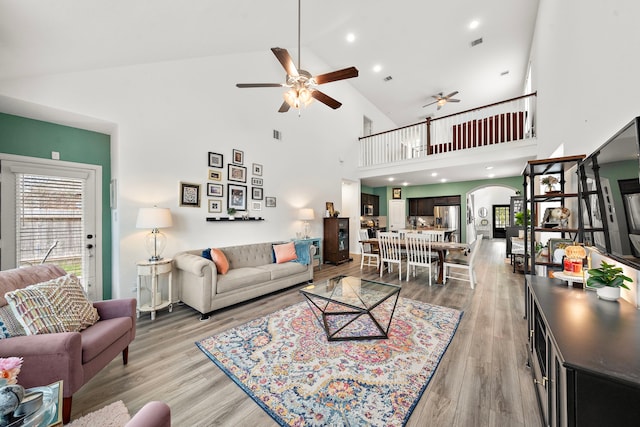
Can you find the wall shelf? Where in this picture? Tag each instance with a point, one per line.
(226, 219)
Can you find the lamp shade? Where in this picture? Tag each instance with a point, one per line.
(306, 214)
(154, 218)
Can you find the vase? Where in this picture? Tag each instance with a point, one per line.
(608, 293)
(10, 398)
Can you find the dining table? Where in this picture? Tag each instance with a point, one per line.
(440, 247)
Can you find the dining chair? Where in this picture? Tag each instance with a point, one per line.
(390, 252)
(367, 251)
(462, 266)
(419, 253)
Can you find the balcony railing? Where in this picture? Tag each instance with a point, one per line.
(505, 122)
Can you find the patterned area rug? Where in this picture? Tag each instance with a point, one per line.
(285, 363)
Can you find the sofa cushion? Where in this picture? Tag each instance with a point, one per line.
(58, 305)
(285, 252)
(10, 326)
(279, 271)
(220, 260)
(241, 278)
(102, 335)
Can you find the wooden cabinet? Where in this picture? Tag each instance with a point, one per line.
(336, 240)
(423, 206)
(369, 200)
(584, 355)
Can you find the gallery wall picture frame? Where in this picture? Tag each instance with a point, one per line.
(238, 157)
(397, 193)
(256, 193)
(237, 197)
(257, 182)
(236, 173)
(256, 206)
(216, 160)
(257, 169)
(270, 202)
(215, 205)
(215, 190)
(215, 175)
(189, 195)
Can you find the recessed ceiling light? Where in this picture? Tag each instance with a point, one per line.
(473, 24)
(443, 180)
(377, 68)
(491, 175)
(434, 173)
(351, 37)
(489, 168)
(405, 183)
(391, 179)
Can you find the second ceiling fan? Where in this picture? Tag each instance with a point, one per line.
(302, 84)
(441, 100)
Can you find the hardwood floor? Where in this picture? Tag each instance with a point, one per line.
(482, 379)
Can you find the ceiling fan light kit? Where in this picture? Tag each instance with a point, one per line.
(302, 84)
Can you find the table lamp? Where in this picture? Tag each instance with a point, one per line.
(306, 215)
(154, 218)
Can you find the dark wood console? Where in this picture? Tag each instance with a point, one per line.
(584, 355)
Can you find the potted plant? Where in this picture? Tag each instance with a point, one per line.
(519, 217)
(607, 279)
(549, 181)
(231, 212)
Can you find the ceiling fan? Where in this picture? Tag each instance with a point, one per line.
(302, 84)
(441, 100)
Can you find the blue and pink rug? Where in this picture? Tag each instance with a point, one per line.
(287, 366)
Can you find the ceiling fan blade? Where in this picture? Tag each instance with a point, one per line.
(453, 100)
(451, 94)
(245, 85)
(284, 107)
(326, 99)
(439, 106)
(431, 103)
(286, 61)
(346, 73)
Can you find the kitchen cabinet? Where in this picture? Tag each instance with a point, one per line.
(423, 206)
(584, 355)
(336, 240)
(369, 200)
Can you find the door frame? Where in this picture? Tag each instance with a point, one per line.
(7, 203)
(500, 235)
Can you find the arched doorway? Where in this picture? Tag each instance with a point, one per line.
(485, 205)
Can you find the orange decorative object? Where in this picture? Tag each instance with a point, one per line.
(574, 258)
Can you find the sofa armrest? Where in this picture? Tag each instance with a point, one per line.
(110, 309)
(47, 358)
(153, 414)
(194, 264)
(197, 280)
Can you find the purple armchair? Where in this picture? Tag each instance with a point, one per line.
(73, 357)
(153, 414)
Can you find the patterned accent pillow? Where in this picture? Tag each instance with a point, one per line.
(59, 305)
(11, 326)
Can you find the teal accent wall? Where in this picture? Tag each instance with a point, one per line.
(35, 138)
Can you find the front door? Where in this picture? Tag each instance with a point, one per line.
(500, 221)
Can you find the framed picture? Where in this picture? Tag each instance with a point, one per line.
(189, 195)
(238, 157)
(215, 160)
(215, 175)
(236, 173)
(257, 169)
(215, 205)
(256, 193)
(270, 202)
(554, 244)
(237, 197)
(256, 206)
(256, 181)
(397, 193)
(215, 190)
(329, 208)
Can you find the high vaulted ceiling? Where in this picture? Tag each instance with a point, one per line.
(424, 46)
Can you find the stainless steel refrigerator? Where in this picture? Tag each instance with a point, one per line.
(448, 217)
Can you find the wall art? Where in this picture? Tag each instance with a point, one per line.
(256, 206)
(256, 181)
(256, 193)
(270, 202)
(397, 193)
(215, 205)
(189, 195)
(257, 169)
(237, 197)
(238, 157)
(215, 190)
(215, 160)
(215, 175)
(236, 173)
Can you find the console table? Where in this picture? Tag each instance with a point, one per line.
(153, 270)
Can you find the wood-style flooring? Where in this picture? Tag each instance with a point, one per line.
(482, 379)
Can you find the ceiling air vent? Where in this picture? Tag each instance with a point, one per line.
(388, 78)
(277, 135)
(476, 42)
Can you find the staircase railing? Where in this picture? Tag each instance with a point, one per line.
(508, 121)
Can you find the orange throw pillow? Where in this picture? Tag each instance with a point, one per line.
(220, 260)
(285, 252)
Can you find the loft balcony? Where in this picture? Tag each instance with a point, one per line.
(502, 131)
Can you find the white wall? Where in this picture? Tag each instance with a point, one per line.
(169, 115)
(487, 197)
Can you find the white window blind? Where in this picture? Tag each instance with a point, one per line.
(49, 210)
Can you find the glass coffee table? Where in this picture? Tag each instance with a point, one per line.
(351, 308)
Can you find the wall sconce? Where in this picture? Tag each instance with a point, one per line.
(154, 218)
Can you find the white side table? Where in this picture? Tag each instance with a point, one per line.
(154, 269)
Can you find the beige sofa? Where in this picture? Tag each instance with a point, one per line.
(252, 273)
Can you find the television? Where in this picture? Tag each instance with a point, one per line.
(610, 184)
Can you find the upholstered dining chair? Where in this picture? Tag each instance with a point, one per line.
(461, 266)
(419, 253)
(390, 252)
